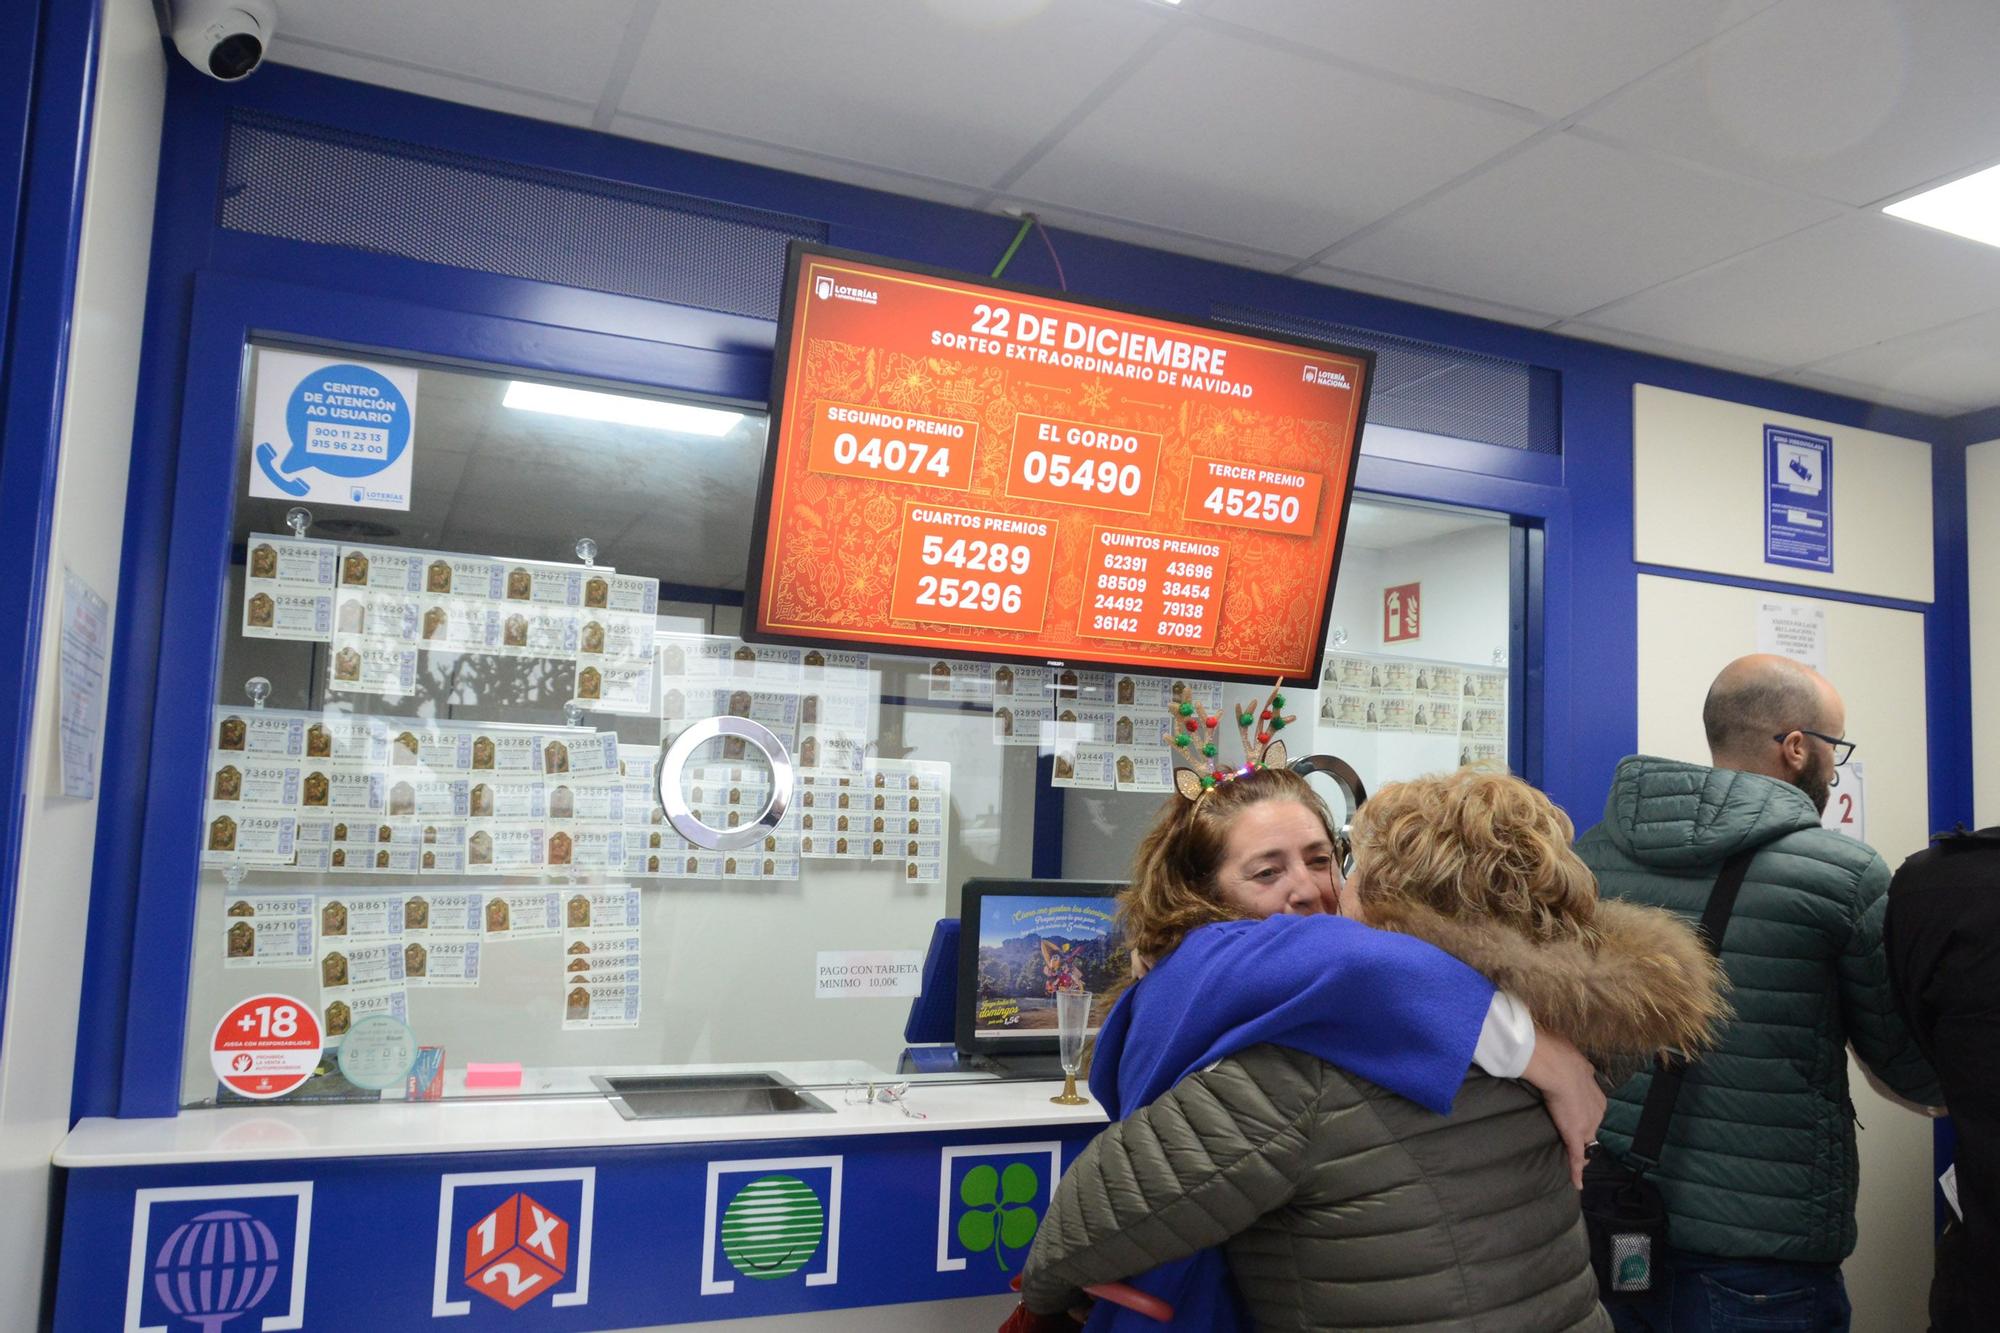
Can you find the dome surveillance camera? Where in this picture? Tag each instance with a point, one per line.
(224, 39)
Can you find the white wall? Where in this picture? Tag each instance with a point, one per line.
(1687, 632)
(1465, 608)
(1698, 496)
(1982, 503)
(37, 1061)
(1466, 613)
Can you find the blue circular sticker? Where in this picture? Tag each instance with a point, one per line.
(347, 421)
(378, 1052)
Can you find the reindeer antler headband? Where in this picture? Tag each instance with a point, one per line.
(1193, 740)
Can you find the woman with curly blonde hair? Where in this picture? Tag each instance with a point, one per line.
(1338, 1198)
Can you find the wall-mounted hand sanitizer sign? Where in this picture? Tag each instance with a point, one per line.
(1798, 499)
(332, 431)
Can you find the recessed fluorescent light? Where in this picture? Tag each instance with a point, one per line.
(627, 411)
(1968, 207)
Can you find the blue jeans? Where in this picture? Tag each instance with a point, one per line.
(1709, 1295)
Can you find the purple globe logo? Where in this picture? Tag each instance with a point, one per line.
(215, 1267)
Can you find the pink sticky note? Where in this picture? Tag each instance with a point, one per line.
(492, 1075)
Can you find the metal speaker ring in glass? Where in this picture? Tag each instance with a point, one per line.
(668, 783)
(1350, 785)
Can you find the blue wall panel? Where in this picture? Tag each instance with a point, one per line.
(20, 28)
(47, 186)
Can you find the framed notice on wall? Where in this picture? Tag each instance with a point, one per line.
(966, 467)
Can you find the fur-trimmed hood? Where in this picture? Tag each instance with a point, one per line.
(1646, 986)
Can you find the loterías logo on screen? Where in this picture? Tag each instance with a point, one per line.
(827, 289)
(1326, 379)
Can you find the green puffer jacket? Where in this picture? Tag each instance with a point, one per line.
(1338, 1204)
(1760, 1157)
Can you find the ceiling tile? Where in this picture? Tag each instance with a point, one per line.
(1550, 56)
(1568, 225)
(956, 90)
(1261, 148)
(1154, 238)
(564, 50)
(786, 159)
(1373, 285)
(1856, 100)
(425, 83)
(1701, 356)
(1868, 393)
(1957, 365)
(1844, 284)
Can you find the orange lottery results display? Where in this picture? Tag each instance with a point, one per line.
(960, 466)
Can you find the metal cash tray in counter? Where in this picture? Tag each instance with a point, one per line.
(665, 1096)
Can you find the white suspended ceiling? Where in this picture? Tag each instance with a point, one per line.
(1698, 178)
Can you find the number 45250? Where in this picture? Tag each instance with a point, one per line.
(1235, 502)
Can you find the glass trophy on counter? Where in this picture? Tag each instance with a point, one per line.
(1072, 1017)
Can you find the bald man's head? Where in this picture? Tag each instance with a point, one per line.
(1761, 696)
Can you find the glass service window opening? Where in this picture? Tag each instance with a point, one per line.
(442, 870)
(443, 692)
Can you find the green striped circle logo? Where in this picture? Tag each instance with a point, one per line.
(772, 1227)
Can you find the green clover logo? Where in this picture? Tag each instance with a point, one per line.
(997, 1214)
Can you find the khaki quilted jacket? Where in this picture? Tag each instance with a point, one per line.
(1340, 1205)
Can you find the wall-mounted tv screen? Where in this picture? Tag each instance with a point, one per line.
(962, 466)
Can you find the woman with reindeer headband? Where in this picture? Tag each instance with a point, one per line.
(1298, 1142)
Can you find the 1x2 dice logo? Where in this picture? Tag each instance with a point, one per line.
(516, 1252)
(515, 1237)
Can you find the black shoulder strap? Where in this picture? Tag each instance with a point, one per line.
(1668, 1075)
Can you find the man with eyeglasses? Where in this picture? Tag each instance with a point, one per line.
(1759, 1170)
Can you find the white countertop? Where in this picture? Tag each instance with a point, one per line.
(387, 1129)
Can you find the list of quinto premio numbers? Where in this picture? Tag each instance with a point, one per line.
(1153, 587)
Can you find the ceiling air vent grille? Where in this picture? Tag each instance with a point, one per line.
(1437, 390)
(305, 182)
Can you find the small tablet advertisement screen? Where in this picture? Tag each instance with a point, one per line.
(1030, 948)
(959, 466)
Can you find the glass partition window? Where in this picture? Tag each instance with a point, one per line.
(457, 659)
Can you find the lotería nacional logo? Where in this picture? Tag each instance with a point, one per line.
(823, 287)
(515, 1237)
(1325, 378)
(203, 1258)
